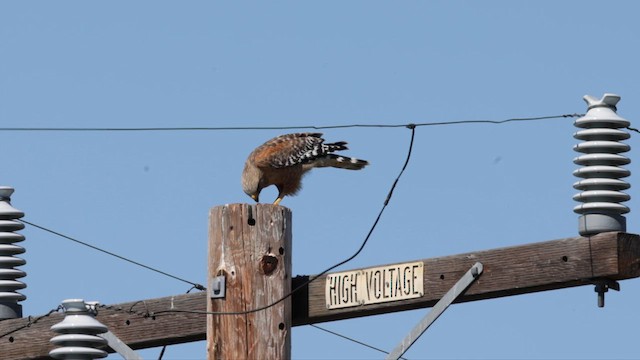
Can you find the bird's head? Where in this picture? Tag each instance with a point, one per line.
(251, 181)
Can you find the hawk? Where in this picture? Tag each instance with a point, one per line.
(284, 160)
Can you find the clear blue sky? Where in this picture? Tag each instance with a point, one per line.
(468, 187)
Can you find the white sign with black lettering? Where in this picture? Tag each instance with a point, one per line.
(374, 285)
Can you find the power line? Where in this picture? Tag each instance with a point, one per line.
(201, 287)
(412, 127)
(299, 127)
(195, 285)
(30, 321)
(352, 340)
(364, 243)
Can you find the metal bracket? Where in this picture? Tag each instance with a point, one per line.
(218, 287)
(465, 281)
(119, 346)
(602, 286)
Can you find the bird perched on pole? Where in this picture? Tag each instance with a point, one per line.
(284, 160)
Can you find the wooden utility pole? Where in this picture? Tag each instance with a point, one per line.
(250, 248)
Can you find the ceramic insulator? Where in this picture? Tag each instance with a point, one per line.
(9, 285)
(78, 329)
(601, 172)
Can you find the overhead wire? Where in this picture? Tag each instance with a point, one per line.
(30, 321)
(310, 280)
(195, 285)
(352, 340)
(295, 127)
(412, 127)
(147, 313)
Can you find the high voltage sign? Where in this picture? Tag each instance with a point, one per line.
(374, 285)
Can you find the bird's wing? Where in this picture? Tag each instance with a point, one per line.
(288, 150)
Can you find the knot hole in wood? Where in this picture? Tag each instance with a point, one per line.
(268, 264)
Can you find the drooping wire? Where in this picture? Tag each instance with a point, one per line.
(306, 283)
(201, 287)
(31, 321)
(299, 127)
(386, 202)
(195, 285)
(352, 340)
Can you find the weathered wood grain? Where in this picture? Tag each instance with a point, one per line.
(133, 322)
(250, 245)
(507, 271)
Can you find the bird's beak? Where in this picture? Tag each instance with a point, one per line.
(255, 197)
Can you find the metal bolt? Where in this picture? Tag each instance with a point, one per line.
(602, 286)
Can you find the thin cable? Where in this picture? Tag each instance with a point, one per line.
(162, 352)
(300, 127)
(384, 206)
(195, 285)
(633, 129)
(31, 321)
(306, 283)
(460, 122)
(353, 340)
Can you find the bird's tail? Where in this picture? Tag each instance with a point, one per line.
(336, 146)
(342, 162)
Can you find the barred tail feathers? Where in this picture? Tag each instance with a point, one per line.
(336, 146)
(342, 162)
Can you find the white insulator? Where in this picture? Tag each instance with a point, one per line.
(602, 134)
(78, 329)
(601, 170)
(9, 285)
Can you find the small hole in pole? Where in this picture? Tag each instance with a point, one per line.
(281, 251)
(441, 277)
(251, 221)
(565, 258)
(281, 326)
(11, 339)
(127, 322)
